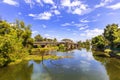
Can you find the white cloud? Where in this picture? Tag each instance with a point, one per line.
(11, 2)
(68, 29)
(84, 21)
(54, 7)
(92, 33)
(65, 3)
(115, 6)
(48, 1)
(81, 28)
(19, 13)
(56, 12)
(103, 3)
(72, 24)
(78, 25)
(50, 36)
(75, 7)
(77, 11)
(44, 26)
(41, 2)
(98, 15)
(32, 15)
(38, 1)
(34, 33)
(44, 16)
(30, 2)
(46, 35)
(41, 16)
(66, 24)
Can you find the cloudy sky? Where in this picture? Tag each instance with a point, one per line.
(74, 19)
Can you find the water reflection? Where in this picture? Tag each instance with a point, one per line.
(80, 66)
(17, 72)
(112, 67)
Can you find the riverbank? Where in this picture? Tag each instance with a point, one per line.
(33, 57)
(107, 53)
(37, 56)
(36, 51)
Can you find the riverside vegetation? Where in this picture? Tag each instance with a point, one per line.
(16, 43)
(109, 41)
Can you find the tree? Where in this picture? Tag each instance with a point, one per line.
(24, 32)
(87, 42)
(67, 40)
(110, 33)
(117, 39)
(54, 40)
(15, 41)
(98, 42)
(79, 43)
(4, 28)
(38, 38)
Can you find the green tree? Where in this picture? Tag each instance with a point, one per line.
(24, 32)
(98, 42)
(110, 33)
(54, 40)
(15, 41)
(79, 43)
(67, 40)
(117, 39)
(4, 28)
(38, 38)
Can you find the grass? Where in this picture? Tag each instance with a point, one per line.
(45, 49)
(42, 50)
(33, 57)
(37, 57)
(15, 62)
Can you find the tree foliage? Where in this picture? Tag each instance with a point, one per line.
(109, 39)
(110, 33)
(38, 38)
(67, 40)
(98, 42)
(15, 41)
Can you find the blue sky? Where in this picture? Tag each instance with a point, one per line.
(73, 19)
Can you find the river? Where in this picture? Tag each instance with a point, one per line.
(77, 65)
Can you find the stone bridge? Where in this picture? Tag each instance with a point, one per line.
(68, 45)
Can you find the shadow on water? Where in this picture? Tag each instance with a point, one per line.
(78, 65)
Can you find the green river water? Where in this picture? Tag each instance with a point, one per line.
(77, 65)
